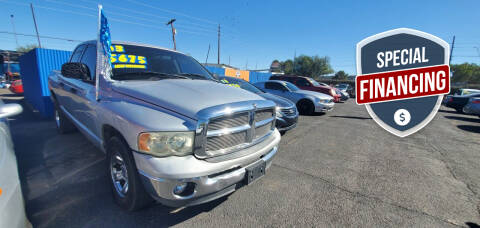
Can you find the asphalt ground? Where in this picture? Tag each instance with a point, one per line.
(337, 169)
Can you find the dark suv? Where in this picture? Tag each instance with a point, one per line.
(307, 83)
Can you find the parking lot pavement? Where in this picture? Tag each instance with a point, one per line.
(337, 169)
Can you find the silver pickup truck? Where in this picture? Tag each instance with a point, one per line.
(170, 131)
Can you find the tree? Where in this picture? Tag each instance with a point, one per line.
(287, 66)
(311, 66)
(466, 72)
(340, 75)
(26, 48)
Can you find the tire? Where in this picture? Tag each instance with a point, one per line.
(121, 170)
(459, 110)
(63, 124)
(305, 107)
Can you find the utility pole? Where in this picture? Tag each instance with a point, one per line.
(229, 60)
(35, 23)
(208, 52)
(14, 32)
(218, 46)
(451, 50)
(173, 33)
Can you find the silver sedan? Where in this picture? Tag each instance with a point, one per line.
(307, 102)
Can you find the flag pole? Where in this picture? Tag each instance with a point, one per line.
(97, 69)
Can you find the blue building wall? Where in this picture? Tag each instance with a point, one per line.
(253, 75)
(216, 70)
(259, 76)
(35, 67)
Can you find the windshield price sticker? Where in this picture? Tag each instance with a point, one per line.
(128, 61)
(402, 76)
(225, 81)
(117, 48)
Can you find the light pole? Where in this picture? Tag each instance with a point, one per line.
(14, 32)
(173, 33)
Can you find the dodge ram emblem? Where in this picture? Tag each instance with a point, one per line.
(402, 76)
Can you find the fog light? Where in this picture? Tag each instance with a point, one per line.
(180, 188)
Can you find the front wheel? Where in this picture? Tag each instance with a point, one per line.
(128, 191)
(305, 107)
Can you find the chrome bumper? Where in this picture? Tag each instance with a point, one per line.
(207, 186)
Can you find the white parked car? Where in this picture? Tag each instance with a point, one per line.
(12, 209)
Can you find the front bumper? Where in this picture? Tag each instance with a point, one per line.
(324, 107)
(211, 180)
(285, 123)
(472, 109)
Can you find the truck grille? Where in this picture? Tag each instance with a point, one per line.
(228, 121)
(221, 142)
(226, 133)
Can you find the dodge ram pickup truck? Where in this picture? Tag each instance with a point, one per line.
(171, 132)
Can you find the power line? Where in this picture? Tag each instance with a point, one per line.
(172, 12)
(47, 37)
(110, 18)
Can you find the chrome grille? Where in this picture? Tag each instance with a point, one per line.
(263, 130)
(228, 133)
(228, 121)
(263, 115)
(225, 141)
(288, 111)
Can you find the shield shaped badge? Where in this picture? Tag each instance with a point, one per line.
(402, 117)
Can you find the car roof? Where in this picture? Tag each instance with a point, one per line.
(132, 43)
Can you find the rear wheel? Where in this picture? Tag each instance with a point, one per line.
(63, 124)
(459, 110)
(128, 191)
(305, 107)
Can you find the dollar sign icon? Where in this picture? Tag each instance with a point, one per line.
(402, 117)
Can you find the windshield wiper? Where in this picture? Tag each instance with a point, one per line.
(152, 74)
(196, 76)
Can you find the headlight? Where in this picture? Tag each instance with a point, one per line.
(278, 111)
(162, 144)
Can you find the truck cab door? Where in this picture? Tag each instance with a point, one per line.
(63, 91)
(83, 94)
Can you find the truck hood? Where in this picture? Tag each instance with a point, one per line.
(184, 96)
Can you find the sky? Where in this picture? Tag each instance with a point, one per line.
(253, 33)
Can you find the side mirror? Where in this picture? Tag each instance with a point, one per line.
(76, 70)
(8, 110)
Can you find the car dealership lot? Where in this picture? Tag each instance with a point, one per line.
(334, 169)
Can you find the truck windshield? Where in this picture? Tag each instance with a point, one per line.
(131, 62)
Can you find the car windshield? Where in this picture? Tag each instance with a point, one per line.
(240, 84)
(131, 62)
(291, 86)
(342, 86)
(315, 83)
